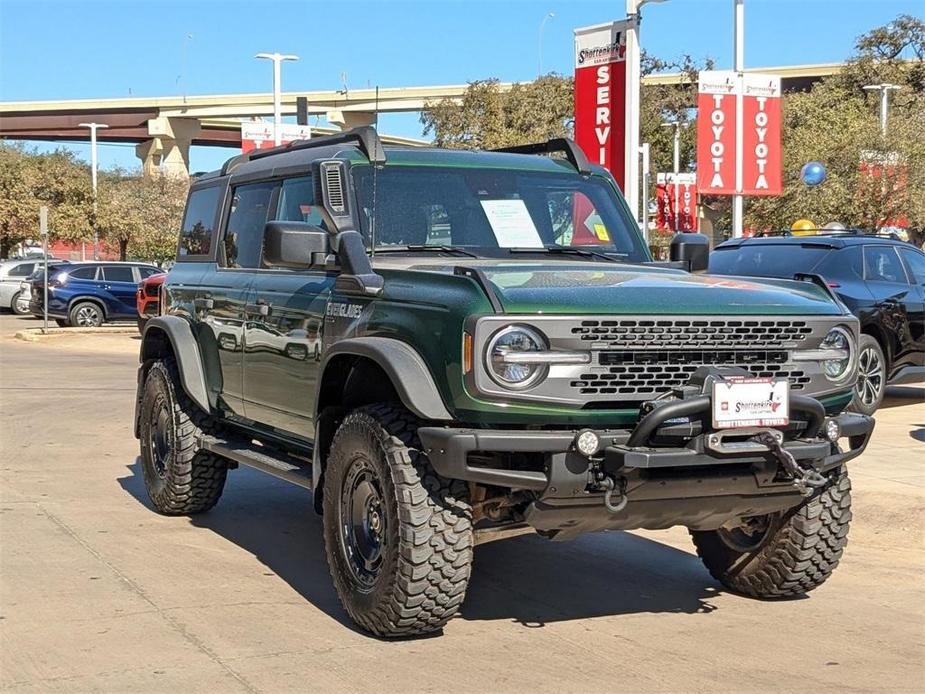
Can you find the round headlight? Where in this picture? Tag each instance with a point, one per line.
(838, 340)
(501, 357)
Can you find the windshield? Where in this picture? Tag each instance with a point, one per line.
(490, 210)
(771, 260)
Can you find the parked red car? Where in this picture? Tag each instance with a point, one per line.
(148, 298)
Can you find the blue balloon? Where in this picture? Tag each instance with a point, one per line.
(813, 173)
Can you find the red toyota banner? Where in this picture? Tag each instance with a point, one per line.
(719, 132)
(600, 95)
(682, 188)
(761, 126)
(259, 134)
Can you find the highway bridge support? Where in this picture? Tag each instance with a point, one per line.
(167, 152)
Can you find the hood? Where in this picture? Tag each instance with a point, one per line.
(605, 288)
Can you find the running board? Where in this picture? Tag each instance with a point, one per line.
(276, 463)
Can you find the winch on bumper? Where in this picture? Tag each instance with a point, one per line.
(672, 469)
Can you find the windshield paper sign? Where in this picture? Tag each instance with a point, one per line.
(512, 224)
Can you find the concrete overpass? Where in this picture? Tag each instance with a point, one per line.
(164, 127)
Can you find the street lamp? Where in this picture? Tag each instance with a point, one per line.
(884, 88)
(676, 160)
(93, 128)
(631, 170)
(539, 60)
(277, 95)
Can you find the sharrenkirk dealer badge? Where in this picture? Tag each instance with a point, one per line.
(751, 402)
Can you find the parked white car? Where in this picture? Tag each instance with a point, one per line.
(12, 274)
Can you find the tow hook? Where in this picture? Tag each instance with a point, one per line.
(804, 479)
(611, 487)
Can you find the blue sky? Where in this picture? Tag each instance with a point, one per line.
(80, 49)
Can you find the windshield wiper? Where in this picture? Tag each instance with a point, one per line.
(571, 250)
(417, 248)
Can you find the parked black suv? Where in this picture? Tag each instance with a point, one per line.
(879, 278)
(450, 347)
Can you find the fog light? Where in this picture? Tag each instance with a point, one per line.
(587, 442)
(832, 430)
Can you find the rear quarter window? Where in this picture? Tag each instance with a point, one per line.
(199, 222)
(777, 260)
(83, 273)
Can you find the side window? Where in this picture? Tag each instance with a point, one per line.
(882, 265)
(118, 273)
(148, 271)
(915, 263)
(846, 263)
(196, 232)
(21, 270)
(83, 273)
(297, 202)
(250, 206)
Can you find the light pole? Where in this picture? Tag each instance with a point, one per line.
(93, 163)
(884, 88)
(676, 160)
(277, 94)
(739, 65)
(539, 59)
(631, 166)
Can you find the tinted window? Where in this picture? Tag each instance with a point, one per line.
(21, 270)
(250, 206)
(881, 264)
(196, 233)
(846, 263)
(83, 273)
(915, 263)
(148, 271)
(118, 273)
(297, 202)
(771, 260)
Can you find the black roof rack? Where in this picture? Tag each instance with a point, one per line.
(829, 232)
(568, 147)
(365, 137)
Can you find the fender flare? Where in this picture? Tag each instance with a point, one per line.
(405, 368)
(186, 351)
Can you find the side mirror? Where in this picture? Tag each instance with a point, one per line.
(692, 249)
(295, 244)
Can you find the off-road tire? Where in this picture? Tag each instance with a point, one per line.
(801, 549)
(187, 480)
(80, 312)
(16, 308)
(426, 556)
(869, 349)
(142, 322)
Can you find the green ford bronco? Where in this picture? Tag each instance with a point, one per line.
(450, 347)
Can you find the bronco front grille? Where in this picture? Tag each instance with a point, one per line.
(662, 333)
(637, 358)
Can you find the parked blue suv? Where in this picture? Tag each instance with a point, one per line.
(89, 294)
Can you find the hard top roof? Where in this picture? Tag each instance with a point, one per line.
(829, 240)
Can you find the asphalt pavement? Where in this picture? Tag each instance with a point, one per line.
(99, 593)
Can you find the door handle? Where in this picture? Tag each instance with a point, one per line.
(258, 309)
(205, 304)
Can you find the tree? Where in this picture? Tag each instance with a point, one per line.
(488, 118)
(141, 215)
(29, 180)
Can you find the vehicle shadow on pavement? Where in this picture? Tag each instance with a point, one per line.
(272, 520)
(533, 581)
(526, 579)
(899, 396)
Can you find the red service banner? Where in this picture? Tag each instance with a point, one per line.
(716, 133)
(761, 128)
(676, 193)
(600, 95)
(259, 135)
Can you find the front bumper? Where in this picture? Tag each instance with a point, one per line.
(707, 481)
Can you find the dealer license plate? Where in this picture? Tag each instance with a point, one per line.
(751, 402)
